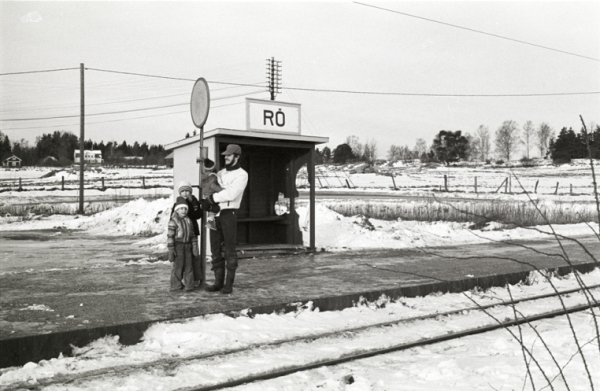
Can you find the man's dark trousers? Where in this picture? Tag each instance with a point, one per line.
(224, 238)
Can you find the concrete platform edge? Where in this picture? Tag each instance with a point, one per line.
(19, 351)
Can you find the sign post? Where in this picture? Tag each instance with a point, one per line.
(199, 107)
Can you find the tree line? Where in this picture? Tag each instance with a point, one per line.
(452, 146)
(57, 149)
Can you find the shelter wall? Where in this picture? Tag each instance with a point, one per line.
(185, 167)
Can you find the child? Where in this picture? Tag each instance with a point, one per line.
(195, 214)
(210, 186)
(182, 246)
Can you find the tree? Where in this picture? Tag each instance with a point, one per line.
(507, 139)
(420, 147)
(357, 147)
(527, 137)
(393, 154)
(342, 153)
(5, 148)
(543, 135)
(370, 151)
(482, 142)
(472, 151)
(450, 146)
(326, 155)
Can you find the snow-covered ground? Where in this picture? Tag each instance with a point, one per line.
(490, 361)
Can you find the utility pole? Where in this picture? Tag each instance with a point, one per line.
(81, 138)
(274, 77)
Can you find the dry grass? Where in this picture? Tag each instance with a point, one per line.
(518, 213)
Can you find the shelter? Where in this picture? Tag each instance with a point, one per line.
(12, 162)
(272, 161)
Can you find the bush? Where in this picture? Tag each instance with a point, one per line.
(499, 161)
(526, 162)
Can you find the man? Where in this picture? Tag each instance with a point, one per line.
(233, 179)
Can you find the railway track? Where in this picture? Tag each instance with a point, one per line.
(170, 367)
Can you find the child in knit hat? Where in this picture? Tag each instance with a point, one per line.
(210, 186)
(182, 246)
(195, 214)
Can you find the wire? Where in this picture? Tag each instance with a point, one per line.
(147, 116)
(440, 95)
(47, 70)
(477, 31)
(174, 78)
(124, 111)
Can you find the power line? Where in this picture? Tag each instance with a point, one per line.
(127, 111)
(174, 78)
(43, 71)
(477, 31)
(439, 95)
(122, 119)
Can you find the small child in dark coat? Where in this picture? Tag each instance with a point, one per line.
(210, 186)
(182, 245)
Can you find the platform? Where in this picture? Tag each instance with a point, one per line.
(86, 303)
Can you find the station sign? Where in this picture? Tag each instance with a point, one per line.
(272, 116)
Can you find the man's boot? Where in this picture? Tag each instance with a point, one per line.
(228, 288)
(219, 278)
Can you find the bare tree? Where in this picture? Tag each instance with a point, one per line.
(370, 151)
(482, 142)
(420, 147)
(507, 139)
(543, 136)
(527, 136)
(354, 143)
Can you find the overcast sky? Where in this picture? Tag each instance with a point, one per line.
(400, 50)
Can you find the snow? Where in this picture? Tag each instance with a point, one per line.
(489, 361)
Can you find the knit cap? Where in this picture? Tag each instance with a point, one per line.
(185, 185)
(181, 203)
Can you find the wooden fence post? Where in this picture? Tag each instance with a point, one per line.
(103, 183)
(20, 187)
(556, 190)
(500, 187)
(319, 179)
(510, 184)
(536, 183)
(394, 182)
(348, 183)
(63, 183)
(475, 184)
(571, 190)
(506, 185)
(144, 182)
(445, 182)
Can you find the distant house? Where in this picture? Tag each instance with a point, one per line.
(89, 156)
(12, 162)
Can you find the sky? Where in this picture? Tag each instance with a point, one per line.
(393, 62)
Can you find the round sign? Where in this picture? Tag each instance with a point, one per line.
(200, 103)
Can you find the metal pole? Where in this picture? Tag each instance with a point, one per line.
(312, 193)
(81, 138)
(203, 230)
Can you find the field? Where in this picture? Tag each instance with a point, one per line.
(522, 196)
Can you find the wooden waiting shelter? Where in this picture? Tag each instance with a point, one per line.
(267, 218)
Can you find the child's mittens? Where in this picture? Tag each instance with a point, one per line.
(172, 254)
(195, 251)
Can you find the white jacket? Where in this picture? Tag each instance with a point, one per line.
(233, 183)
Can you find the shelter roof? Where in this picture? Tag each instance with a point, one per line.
(246, 133)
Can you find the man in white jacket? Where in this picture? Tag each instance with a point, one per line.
(233, 179)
